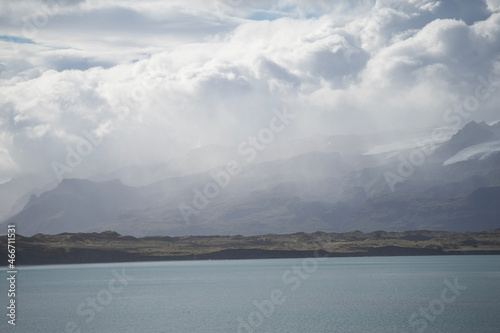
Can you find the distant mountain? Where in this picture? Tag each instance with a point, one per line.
(477, 211)
(73, 206)
(15, 193)
(495, 127)
(471, 134)
(154, 209)
(315, 190)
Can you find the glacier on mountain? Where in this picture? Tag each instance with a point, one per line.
(477, 152)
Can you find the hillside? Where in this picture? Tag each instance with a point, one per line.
(112, 247)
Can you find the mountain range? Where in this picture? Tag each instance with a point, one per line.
(332, 184)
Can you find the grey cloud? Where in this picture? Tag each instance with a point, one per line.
(273, 70)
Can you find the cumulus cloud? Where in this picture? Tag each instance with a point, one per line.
(156, 78)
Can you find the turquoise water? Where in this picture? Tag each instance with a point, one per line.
(378, 294)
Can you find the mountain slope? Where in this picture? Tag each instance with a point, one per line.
(477, 211)
(471, 134)
(73, 206)
(308, 192)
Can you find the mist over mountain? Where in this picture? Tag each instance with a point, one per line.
(316, 190)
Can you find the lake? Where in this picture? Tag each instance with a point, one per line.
(376, 294)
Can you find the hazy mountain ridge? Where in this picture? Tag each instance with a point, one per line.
(316, 190)
(471, 134)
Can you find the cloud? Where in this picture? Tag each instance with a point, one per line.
(157, 78)
(493, 5)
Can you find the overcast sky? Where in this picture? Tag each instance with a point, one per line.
(156, 78)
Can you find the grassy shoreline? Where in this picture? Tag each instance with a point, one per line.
(68, 248)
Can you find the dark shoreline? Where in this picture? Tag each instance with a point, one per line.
(87, 256)
(110, 247)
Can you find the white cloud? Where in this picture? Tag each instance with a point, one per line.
(157, 78)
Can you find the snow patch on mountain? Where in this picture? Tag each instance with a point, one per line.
(477, 152)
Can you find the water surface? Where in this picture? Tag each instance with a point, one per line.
(376, 294)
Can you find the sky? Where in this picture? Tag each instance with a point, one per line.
(150, 80)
